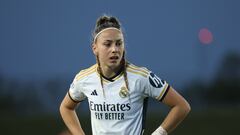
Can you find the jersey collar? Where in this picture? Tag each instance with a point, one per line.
(112, 79)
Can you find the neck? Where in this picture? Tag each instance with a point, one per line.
(109, 72)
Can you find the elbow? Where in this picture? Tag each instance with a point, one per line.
(186, 107)
(60, 108)
(63, 108)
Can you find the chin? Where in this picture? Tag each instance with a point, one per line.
(114, 65)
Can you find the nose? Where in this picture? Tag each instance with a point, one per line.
(114, 48)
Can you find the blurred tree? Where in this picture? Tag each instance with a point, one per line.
(195, 93)
(7, 101)
(226, 87)
(53, 86)
(17, 97)
(55, 90)
(223, 91)
(28, 101)
(230, 68)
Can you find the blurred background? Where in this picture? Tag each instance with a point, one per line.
(193, 45)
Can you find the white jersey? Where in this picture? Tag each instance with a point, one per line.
(113, 110)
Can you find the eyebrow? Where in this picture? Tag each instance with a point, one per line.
(113, 40)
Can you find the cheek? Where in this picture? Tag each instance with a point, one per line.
(102, 53)
(122, 50)
(98, 51)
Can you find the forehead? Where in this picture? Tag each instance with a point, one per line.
(111, 34)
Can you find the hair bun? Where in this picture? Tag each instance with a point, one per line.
(108, 21)
(104, 22)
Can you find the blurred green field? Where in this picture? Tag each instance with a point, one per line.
(215, 122)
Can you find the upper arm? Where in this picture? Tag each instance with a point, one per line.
(69, 103)
(173, 98)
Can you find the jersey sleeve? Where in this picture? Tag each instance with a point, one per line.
(155, 87)
(76, 91)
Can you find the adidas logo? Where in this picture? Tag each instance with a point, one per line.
(94, 93)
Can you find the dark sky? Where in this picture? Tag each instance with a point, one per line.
(48, 38)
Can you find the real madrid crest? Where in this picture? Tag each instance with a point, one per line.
(123, 92)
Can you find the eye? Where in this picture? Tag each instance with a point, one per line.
(119, 43)
(107, 44)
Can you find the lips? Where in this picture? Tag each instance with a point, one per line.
(114, 57)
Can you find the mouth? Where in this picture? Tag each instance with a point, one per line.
(114, 58)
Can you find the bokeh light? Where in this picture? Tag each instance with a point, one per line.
(205, 36)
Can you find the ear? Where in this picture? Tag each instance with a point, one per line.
(94, 49)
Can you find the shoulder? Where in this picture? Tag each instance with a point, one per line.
(137, 70)
(86, 72)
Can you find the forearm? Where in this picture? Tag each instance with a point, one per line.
(71, 120)
(174, 117)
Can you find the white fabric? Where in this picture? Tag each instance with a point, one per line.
(160, 131)
(115, 114)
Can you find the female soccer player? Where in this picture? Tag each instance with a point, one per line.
(117, 90)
